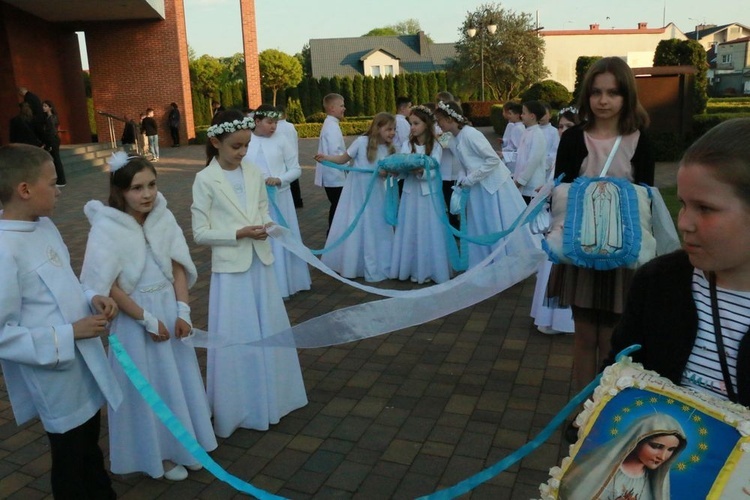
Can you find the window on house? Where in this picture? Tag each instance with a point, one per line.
(388, 69)
(726, 58)
(375, 70)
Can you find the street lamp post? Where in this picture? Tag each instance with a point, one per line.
(491, 28)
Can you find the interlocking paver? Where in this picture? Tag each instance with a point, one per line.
(389, 417)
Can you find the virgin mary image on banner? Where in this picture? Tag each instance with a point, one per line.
(634, 465)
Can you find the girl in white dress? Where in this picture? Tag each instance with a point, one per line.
(420, 249)
(137, 253)
(366, 252)
(278, 163)
(494, 202)
(550, 318)
(248, 386)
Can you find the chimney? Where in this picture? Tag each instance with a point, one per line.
(642, 26)
(594, 26)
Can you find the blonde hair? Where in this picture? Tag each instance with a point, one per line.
(330, 99)
(378, 121)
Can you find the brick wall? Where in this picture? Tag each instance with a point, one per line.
(250, 49)
(140, 64)
(44, 58)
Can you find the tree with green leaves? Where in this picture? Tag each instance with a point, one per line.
(380, 94)
(278, 70)
(356, 107)
(513, 55)
(583, 63)
(368, 96)
(206, 77)
(305, 59)
(550, 91)
(686, 53)
(390, 94)
(407, 27)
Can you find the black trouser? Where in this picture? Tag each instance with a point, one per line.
(78, 464)
(54, 151)
(333, 194)
(296, 193)
(175, 131)
(447, 193)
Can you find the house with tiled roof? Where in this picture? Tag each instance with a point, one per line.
(378, 55)
(731, 76)
(636, 46)
(710, 35)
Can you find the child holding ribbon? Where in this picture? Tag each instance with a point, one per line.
(366, 250)
(278, 163)
(420, 249)
(137, 254)
(494, 202)
(248, 386)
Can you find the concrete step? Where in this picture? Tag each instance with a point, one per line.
(79, 159)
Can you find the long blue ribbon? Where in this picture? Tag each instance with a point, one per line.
(272, 191)
(472, 482)
(174, 425)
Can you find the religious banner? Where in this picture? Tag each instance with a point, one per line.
(643, 438)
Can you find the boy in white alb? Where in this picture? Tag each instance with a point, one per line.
(531, 160)
(289, 132)
(512, 134)
(403, 107)
(331, 142)
(552, 136)
(53, 361)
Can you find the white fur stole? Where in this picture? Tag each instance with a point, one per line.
(116, 248)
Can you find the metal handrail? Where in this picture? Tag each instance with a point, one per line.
(111, 127)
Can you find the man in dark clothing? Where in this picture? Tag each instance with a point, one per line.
(39, 117)
(174, 124)
(21, 129)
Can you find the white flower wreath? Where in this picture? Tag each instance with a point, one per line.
(424, 109)
(572, 109)
(450, 112)
(230, 127)
(274, 115)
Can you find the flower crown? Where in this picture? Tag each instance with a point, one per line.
(424, 109)
(230, 127)
(273, 114)
(450, 112)
(118, 160)
(571, 109)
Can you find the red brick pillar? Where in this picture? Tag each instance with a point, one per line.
(140, 64)
(44, 58)
(250, 49)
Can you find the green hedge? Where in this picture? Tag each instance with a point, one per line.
(307, 130)
(740, 107)
(704, 123)
(727, 100)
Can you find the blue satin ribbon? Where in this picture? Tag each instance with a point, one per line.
(187, 440)
(173, 424)
(272, 191)
(472, 482)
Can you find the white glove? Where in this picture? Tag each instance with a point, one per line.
(183, 312)
(149, 322)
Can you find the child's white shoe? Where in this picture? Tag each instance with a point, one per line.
(176, 473)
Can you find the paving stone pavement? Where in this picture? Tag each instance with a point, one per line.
(397, 416)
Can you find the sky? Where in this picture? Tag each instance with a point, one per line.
(213, 26)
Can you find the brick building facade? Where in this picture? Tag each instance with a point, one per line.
(138, 58)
